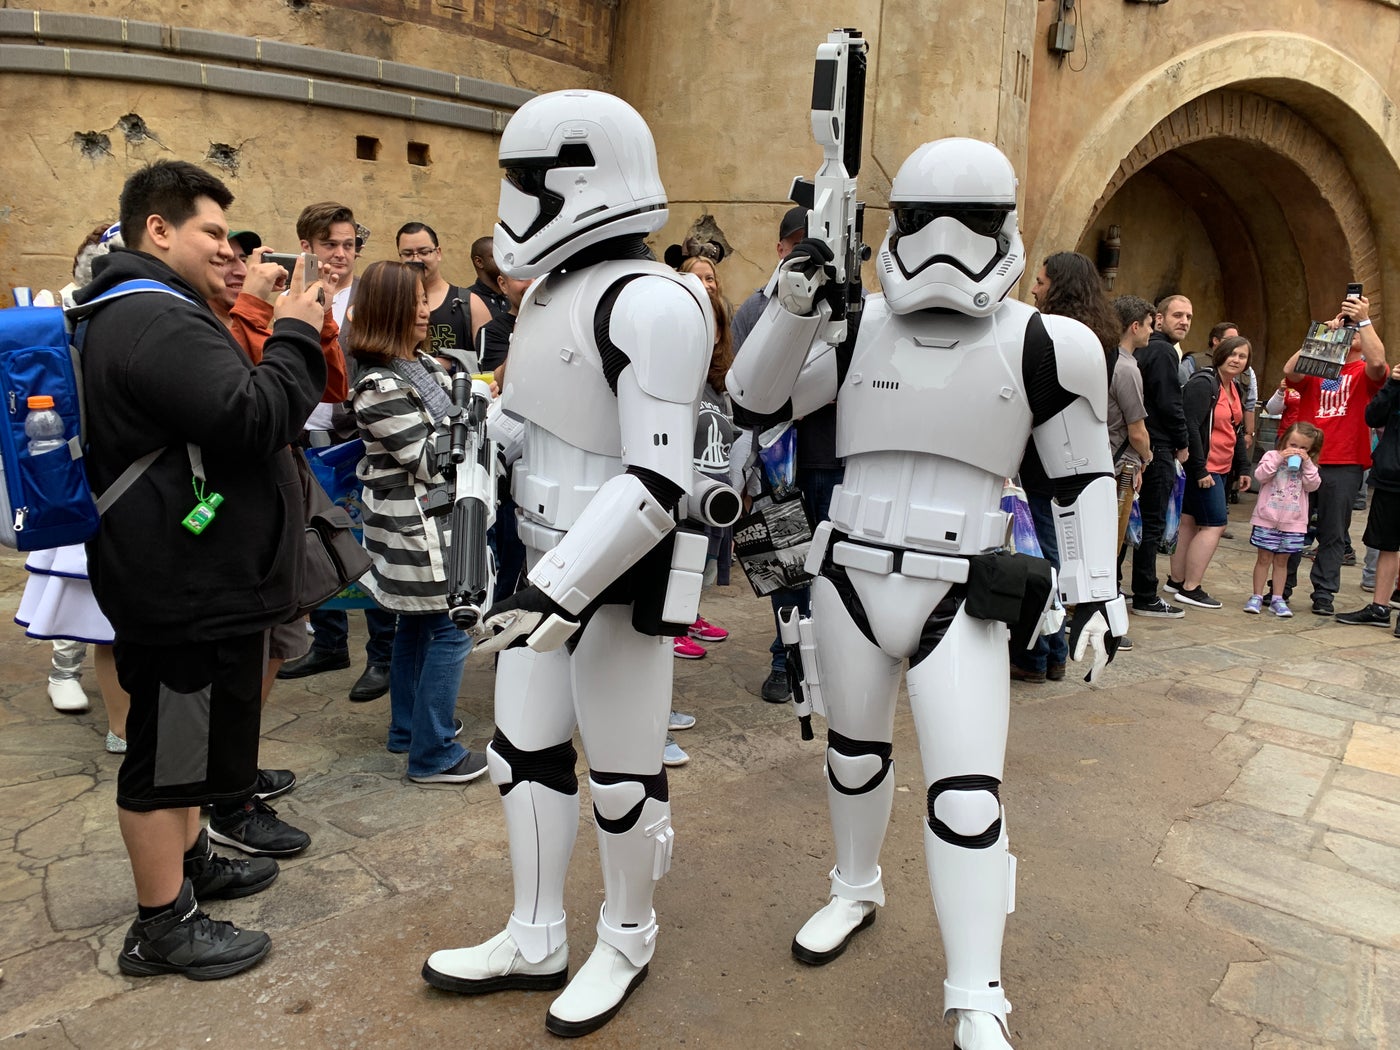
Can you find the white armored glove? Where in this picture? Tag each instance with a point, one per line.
(802, 274)
(1097, 626)
(527, 617)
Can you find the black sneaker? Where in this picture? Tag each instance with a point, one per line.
(1395, 598)
(1157, 607)
(186, 941)
(314, 662)
(775, 687)
(219, 878)
(1125, 644)
(256, 830)
(1197, 596)
(1368, 616)
(1172, 586)
(274, 782)
(468, 767)
(1322, 607)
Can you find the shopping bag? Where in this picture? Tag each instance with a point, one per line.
(1134, 536)
(1023, 537)
(1168, 545)
(334, 467)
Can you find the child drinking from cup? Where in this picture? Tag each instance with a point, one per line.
(1286, 475)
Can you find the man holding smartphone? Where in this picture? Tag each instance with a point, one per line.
(328, 230)
(1338, 408)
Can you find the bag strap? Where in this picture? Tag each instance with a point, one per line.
(125, 480)
(80, 311)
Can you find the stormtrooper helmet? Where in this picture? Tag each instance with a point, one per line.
(580, 168)
(952, 241)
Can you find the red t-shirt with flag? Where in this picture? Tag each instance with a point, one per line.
(1338, 408)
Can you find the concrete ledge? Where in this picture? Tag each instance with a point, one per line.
(281, 87)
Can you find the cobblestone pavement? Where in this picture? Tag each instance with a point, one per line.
(1209, 855)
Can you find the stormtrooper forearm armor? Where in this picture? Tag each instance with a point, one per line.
(767, 366)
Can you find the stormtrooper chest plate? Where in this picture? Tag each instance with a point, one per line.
(941, 384)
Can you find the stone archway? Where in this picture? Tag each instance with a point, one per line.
(1273, 126)
(1269, 92)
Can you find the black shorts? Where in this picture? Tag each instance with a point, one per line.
(196, 711)
(1383, 522)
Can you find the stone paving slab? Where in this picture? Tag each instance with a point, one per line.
(1362, 815)
(1290, 994)
(1280, 780)
(1216, 857)
(1375, 748)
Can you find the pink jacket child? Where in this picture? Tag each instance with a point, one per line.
(1283, 501)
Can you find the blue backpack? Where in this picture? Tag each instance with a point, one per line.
(45, 500)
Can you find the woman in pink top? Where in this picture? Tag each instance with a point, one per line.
(1217, 458)
(1286, 475)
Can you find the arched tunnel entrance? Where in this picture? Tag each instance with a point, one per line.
(1242, 204)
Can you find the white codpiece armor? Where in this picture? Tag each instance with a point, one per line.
(604, 377)
(935, 408)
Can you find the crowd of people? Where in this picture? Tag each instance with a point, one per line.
(1173, 416)
(248, 363)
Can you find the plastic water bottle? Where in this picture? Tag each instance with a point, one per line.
(43, 426)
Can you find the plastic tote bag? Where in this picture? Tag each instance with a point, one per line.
(1174, 511)
(1023, 537)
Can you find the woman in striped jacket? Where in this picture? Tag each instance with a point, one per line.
(400, 401)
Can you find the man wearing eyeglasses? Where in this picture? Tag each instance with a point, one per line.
(449, 323)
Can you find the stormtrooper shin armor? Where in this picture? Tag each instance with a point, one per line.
(607, 363)
(935, 407)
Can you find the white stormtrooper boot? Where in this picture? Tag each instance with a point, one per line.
(532, 952)
(633, 858)
(978, 1030)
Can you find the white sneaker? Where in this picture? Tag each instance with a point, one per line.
(978, 1030)
(827, 933)
(674, 755)
(495, 966)
(67, 696)
(595, 994)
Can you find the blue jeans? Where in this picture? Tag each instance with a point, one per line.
(424, 676)
(1049, 649)
(816, 484)
(332, 629)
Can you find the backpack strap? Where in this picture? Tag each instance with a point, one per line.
(125, 480)
(75, 316)
(73, 312)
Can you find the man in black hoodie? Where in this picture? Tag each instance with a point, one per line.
(1166, 427)
(191, 608)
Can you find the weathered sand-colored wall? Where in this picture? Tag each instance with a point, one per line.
(289, 154)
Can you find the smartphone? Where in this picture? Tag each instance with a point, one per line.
(311, 267)
(1353, 291)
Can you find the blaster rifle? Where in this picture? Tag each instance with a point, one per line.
(797, 679)
(467, 457)
(835, 216)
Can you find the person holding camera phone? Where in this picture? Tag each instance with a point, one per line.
(1338, 408)
(329, 231)
(401, 399)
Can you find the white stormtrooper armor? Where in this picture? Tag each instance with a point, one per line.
(606, 367)
(945, 386)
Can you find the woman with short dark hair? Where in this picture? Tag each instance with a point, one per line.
(401, 400)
